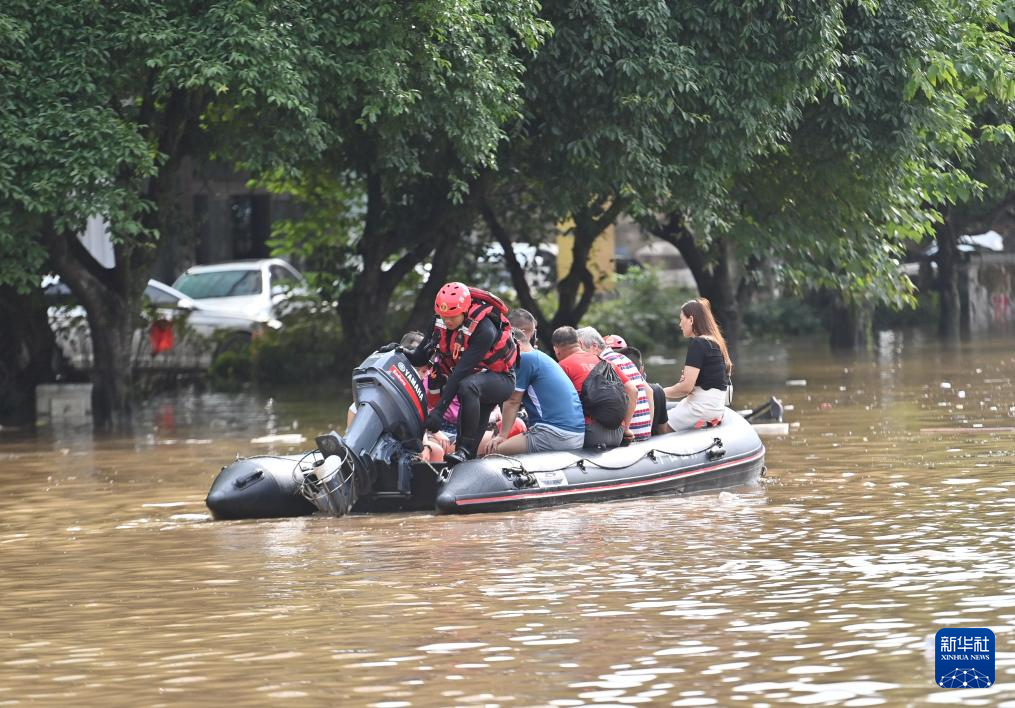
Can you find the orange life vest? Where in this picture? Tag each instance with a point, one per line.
(503, 355)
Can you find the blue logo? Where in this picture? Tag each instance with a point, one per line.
(964, 657)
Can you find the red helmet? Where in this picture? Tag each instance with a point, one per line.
(614, 341)
(452, 299)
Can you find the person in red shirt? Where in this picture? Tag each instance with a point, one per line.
(638, 423)
(577, 363)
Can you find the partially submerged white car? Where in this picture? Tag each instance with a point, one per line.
(265, 288)
(178, 333)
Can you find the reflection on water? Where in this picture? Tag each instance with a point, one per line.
(886, 515)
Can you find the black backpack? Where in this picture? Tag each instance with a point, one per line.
(603, 397)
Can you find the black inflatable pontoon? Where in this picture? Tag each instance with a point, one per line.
(376, 466)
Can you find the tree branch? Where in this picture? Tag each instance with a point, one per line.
(676, 232)
(444, 258)
(511, 261)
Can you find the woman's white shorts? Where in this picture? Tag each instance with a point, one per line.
(700, 408)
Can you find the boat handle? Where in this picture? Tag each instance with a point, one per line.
(248, 480)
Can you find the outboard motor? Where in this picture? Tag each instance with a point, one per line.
(373, 459)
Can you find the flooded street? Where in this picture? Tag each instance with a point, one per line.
(887, 513)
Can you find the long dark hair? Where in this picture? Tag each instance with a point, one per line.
(703, 324)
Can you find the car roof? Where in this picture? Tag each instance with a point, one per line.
(249, 264)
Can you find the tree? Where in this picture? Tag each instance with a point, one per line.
(991, 163)
(864, 166)
(408, 172)
(646, 105)
(101, 103)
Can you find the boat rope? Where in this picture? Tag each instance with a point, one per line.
(442, 475)
(715, 451)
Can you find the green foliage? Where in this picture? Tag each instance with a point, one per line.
(786, 316)
(322, 236)
(231, 369)
(661, 102)
(98, 98)
(306, 349)
(924, 313)
(642, 310)
(884, 146)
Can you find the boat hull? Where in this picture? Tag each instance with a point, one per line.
(694, 462)
(730, 455)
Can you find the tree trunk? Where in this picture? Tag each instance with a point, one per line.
(850, 326)
(112, 321)
(112, 296)
(363, 308)
(444, 258)
(948, 265)
(178, 240)
(112, 299)
(576, 289)
(544, 327)
(26, 354)
(715, 273)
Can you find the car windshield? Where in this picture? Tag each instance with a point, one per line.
(219, 283)
(157, 296)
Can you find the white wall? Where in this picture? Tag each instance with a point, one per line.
(96, 239)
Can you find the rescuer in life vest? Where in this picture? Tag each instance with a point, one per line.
(473, 356)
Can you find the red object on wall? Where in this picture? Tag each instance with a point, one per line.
(161, 336)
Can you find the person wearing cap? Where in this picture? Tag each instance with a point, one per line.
(473, 357)
(615, 342)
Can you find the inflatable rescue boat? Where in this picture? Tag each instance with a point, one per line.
(377, 465)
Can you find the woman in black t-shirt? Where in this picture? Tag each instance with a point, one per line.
(707, 369)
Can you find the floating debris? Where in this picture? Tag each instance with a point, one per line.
(281, 439)
(771, 428)
(975, 428)
(796, 382)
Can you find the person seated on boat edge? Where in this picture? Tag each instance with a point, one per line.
(555, 415)
(658, 395)
(640, 403)
(551, 404)
(577, 363)
(619, 345)
(495, 427)
(408, 342)
(706, 374)
(473, 357)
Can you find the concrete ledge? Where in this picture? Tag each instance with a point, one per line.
(63, 403)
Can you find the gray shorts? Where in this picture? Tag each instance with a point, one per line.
(548, 438)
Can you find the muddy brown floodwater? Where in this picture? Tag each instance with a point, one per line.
(887, 513)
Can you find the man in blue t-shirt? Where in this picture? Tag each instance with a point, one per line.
(556, 420)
